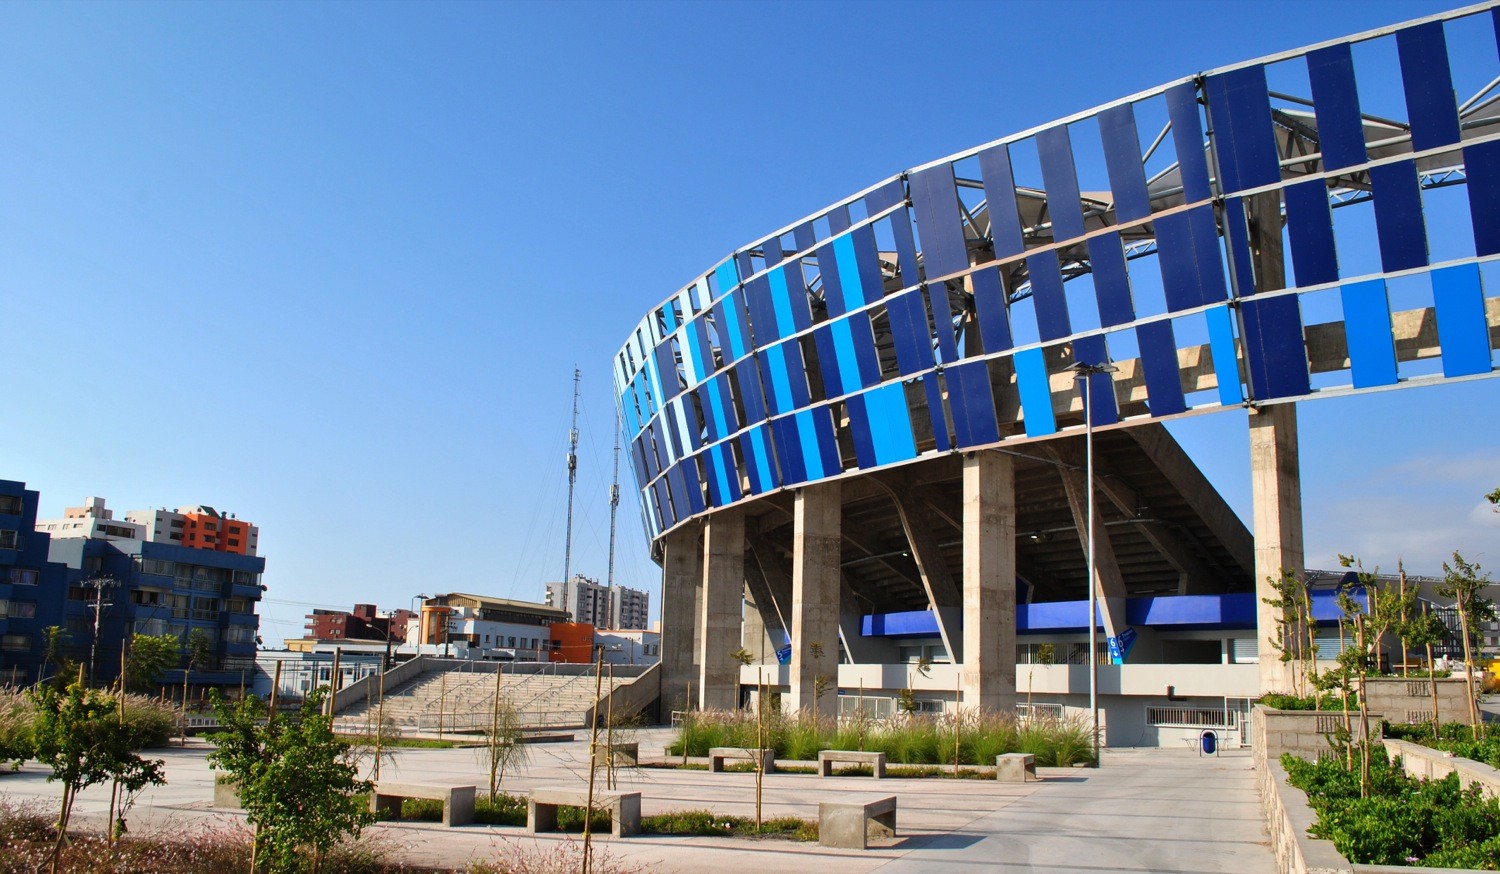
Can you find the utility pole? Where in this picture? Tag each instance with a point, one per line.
(614, 504)
(572, 479)
(99, 584)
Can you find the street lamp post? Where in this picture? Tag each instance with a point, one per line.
(420, 624)
(1082, 372)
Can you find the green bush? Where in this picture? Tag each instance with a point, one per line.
(150, 722)
(1453, 737)
(1403, 821)
(1330, 701)
(709, 824)
(910, 739)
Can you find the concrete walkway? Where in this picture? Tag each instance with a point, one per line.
(1144, 811)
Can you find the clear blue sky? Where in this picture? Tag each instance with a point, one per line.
(329, 266)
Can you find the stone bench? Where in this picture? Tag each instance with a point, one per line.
(628, 754)
(717, 755)
(849, 822)
(826, 758)
(624, 808)
(458, 801)
(1015, 767)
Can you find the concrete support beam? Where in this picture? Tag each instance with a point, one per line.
(988, 670)
(942, 592)
(816, 575)
(755, 637)
(1189, 481)
(681, 571)
(1276, 499)
(720, 613)
(1109, 583)
(762, 608)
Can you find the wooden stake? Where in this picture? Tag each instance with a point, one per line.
(588, 810)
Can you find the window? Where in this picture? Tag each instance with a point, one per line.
(143, 626)
(239, 605)
(233, 542)
(15, 641)
(177, 523)
(23, 576)
(512, 643)
(181, 605)
(10, 505)
(206, 608)
(21, 610)
(157, 566)
(9, 539)
(148, 597)
(80, 593)
(80, 626)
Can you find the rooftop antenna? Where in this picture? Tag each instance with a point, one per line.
(614, 500)
(572, 479)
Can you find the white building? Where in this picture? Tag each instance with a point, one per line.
(629, 646)
(92, 521)
(600, 606)
(484, 627)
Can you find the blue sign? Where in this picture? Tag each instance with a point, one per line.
(1120, 647)
(784, 655)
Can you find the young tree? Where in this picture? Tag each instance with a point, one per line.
(297, 780)
(1463, 582)
(502, 749)
(148, 658)
(1424, 630)
(77, 735)
(1296, 632)
(198, 653)
(53, 637)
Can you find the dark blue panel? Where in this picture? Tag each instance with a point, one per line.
(1430, 105)
(972, 403)
(867, 256)
(1061, 181)
(1309, 225)
(748, 376)
(942, 320)
(994, 317)
(1047, 293)
(789, 450)
(1398, 216)
(1274, 349)
(763, 328)
(935, 202)
(828, 362)
(796, 370)
(1159, 362)
(1463, 332)
(1192, 274)
(885, 197)
(859, 430)
(721, 391)
(1243, 137)
(1482, 164)
(1102, 408)
(838, 220)
(1000, 194)
(935, 412)
(833, 288)
(699, 327)
(1341, 133)
(666, 364)
(804, 236)
(664, 513)
(1122, 155)
(705, 403)
(906, 248)
(734, 331)
(1237, 239)
(742, 261)
(827, 443)
(866, 358)
(909, 331)
(1187, 139)
(658, 455)
(1111, 280)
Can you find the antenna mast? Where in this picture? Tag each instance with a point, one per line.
(614, 499)
(572, 478)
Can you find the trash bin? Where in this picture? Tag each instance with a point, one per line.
(1209, 743)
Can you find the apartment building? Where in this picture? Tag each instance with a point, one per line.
(601, 606)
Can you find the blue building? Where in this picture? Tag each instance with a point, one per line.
(104, 590)
(31, 586)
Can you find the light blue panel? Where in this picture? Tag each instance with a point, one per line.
(849, 284)
(781, 387)
(716, 409)
(848, 360)
(1036, 396)
(762, 459)
(781, 300)
(692, 362)
(807, 438)
(1367, 327)
(655, 384)
(668, 318)
(890, 424)
(721, 477)
(1221, 345)
(732, 327)
(727, 277)
(1462, 332)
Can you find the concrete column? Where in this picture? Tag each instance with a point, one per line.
(989, 584)
(681, 570)
(720, 612)
(1276, 496)
(816, 559)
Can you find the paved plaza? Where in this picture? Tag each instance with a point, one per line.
(1146, 810)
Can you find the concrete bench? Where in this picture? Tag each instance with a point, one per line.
(717, 755)
(628, 754)
(849, 822)
(1015, 767)
(458, 801)
(624, 808)
(826, 758)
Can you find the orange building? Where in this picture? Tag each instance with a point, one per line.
(205, 529)
(572, 642)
